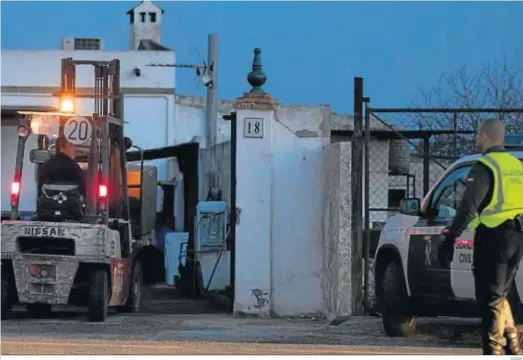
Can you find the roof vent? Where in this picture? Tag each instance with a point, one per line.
(81, 44)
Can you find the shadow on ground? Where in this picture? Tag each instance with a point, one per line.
(160, 300)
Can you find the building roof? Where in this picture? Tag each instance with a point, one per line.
(141, 2)
(148, 44)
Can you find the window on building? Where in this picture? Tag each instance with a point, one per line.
(87, 44)
(152, 17)
(395, 197)
(132, 17)
(142, 15)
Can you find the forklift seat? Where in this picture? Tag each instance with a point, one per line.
(59, 201)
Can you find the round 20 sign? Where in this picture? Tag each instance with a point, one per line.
(77, 130)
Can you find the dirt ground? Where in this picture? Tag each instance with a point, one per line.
(195, 327)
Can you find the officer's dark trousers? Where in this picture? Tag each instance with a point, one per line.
(497, 253)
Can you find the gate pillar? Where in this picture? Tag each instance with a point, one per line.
(255, 114)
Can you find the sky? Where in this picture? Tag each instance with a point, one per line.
(311, 51)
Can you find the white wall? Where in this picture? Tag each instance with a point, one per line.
(297, 209)
(300, 137)
(190, 119)
(42, 68)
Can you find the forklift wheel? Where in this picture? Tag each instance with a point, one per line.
(7, 305)
(98, 295)
(38, 310)
(136, 290)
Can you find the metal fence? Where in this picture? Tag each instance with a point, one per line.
(405, 151)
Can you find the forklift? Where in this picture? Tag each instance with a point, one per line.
(80, 249)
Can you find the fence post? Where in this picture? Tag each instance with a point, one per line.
(357, 199)
(426, 164)
(455, 134)
(367, 209)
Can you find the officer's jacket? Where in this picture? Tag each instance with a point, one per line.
(494, 192)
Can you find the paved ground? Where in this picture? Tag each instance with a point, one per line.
(178, 327)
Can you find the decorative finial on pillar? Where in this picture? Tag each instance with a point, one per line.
(257, 77)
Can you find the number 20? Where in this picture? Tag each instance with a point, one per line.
(81, 129)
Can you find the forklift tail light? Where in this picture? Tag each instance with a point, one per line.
(23, 131)
(15, 191)
(102, 191)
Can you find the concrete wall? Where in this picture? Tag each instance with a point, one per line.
(310, 195)
(298, 139)
(336, 265)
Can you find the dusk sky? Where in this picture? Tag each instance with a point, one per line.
(311, 50)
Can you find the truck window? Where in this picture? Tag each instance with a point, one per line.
(449, 192)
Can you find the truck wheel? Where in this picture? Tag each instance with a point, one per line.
(136, 290)
(98, 295)
(7, 304)
(39, 310)
(396, 319)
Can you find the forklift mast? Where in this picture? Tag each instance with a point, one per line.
(107, 126)
(108, 133)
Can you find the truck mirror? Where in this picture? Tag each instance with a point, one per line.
(128, 143)
(37, 156)
(410, 206)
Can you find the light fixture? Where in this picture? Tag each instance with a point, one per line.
(206, 80)
(67, 104)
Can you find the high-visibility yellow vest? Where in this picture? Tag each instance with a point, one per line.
(507, 195)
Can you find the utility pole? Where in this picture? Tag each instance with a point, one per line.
(211, 110)
(208, 73)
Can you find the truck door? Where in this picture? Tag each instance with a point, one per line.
(426, 275)
(427, 278)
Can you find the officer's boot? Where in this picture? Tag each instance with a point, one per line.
(492, 350)
(513, 344)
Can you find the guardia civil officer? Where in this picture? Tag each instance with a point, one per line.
(493, 206)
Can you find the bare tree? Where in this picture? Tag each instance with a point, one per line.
(494, 85)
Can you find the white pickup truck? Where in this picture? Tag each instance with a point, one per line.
(409, 279)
